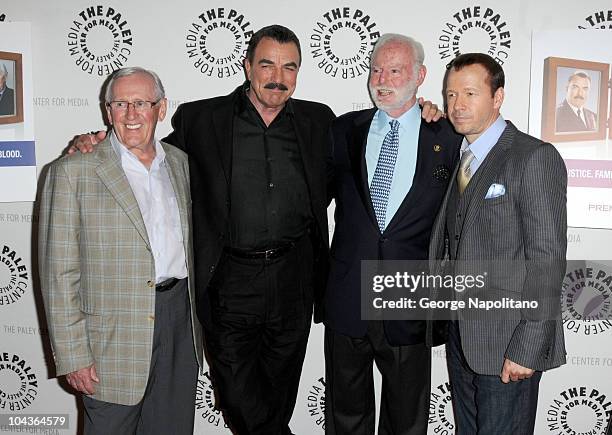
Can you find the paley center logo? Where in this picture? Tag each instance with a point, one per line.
(315, 402)
(217, 41)
(441, 410)
(18, 383)
(99, 40)
(475, 29)
(598, 20)
(341, 42)
(585, 298)
(578, 410)
(2, 17)
(13, 276)
(205, 402)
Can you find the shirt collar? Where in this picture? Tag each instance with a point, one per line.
(123, 153)
(481, 146)
(574, 108)
(245, 103)
(408, 118)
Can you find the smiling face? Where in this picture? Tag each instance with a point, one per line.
(471, 106)
(273, 74)
(136, 129)
(393, 81)
(578, 91)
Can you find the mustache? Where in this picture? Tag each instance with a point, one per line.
(274, 85)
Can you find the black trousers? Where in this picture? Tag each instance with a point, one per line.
(167, 407)
(349, 387)
(256, 340)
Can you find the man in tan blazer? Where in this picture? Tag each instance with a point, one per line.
(115, 251)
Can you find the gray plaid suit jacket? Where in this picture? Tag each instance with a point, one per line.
(526, 226)
(97, 271)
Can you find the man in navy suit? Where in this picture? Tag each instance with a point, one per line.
(396, 229)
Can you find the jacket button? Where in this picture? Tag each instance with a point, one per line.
(212, 268)
(150, 283)
(457, 237)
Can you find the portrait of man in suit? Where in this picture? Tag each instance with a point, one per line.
(117, 273)
(7, 95)
(572, 114)
(506, 204)
(390, 171)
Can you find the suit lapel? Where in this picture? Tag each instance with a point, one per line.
(427, 137)
(357, 141)
(486, 175)
(112, 175)
(223, 121)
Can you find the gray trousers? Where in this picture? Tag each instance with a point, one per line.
(167, 407)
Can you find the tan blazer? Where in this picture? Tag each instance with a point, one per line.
(97, 271)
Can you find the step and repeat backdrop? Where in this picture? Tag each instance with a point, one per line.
(57, 55)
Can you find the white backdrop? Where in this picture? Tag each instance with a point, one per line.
(196, 49)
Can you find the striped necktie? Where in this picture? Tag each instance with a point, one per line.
(383, 174)
(465, 172)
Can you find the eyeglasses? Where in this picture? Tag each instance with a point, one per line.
(138, 105)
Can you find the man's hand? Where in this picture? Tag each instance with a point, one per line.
(83, 380)
(514, 372)
(430, 111)
(85, 142)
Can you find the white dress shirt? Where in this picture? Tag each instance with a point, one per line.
(157, 202)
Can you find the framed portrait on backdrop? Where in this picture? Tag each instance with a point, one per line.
(11, 88)
(575, 100)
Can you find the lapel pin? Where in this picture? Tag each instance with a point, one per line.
(437, 148)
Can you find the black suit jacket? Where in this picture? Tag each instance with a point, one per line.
(357, 236)
(7, 102)
(566, 119)
(204, 130)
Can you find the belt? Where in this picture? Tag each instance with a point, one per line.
(166, 285)
(266, 254)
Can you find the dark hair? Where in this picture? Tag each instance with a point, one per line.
(578, 73)
(496, 73)
(276, 32)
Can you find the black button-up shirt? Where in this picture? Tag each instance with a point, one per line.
(270, 203)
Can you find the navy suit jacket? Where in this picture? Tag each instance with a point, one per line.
(357, 236)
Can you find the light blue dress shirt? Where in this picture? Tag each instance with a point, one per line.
(481, 146)
(405, 165)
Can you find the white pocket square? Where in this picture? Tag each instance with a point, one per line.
(495, 190)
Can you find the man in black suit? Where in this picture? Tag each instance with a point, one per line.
(571, 114)
(7, 95)
(393, 226)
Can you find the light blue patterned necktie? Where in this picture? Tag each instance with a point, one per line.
(383, 174)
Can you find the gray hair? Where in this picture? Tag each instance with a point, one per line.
(418, 54)
(3, 70)
(131, 70)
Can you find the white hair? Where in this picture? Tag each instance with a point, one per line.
(131, 70)
(418, 54)
(3, 70)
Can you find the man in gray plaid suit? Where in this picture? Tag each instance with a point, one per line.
(115, 252)
(506, 212)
